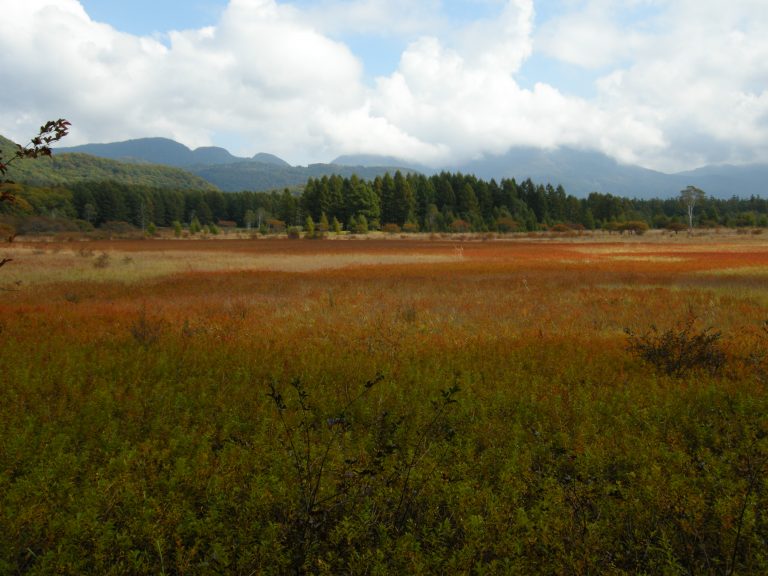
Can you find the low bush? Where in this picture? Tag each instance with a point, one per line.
(678, 351)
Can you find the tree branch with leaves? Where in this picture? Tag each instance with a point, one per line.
(40, 145)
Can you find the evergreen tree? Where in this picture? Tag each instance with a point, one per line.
(217, 205)
(509, 193)
(404, 205)
(425, 197)
(588, 221)
(203, 212)
(173, 204)
(539, 205)
(289, 209)
(446, 199)
(360, 199)
(485, 200)
(432, 219)
(110, 203)
(335, 192)
(467, 204)
(390, 210)
(310, 199)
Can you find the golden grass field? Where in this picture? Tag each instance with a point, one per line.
(139, 437)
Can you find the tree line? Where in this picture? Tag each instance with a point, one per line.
(445, 202)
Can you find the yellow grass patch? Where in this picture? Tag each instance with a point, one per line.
(648, 258)
(39, 265)
(733, 245)
(758, 270)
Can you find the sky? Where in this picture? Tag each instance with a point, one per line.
(664, 84)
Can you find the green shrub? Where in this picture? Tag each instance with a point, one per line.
(323, 225)
(309, 227)
(337, 481)
(676, 227)
(294, 232)
(633, 227)
(680, 350)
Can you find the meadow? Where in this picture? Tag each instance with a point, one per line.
(590, 405)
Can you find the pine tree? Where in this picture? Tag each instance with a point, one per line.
(466, 201)
(446, 198)
(389, 202)
(404, 203)
(425, 197)
(360, 198)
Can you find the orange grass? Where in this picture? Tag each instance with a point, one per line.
(500, 286)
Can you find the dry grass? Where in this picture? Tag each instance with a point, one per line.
(131, 263)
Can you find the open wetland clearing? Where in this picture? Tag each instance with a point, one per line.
(375, 406)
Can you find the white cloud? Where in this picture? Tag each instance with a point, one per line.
(467, 100)
(373, 17)
(681, 82)
(592, 34)
(260, 72)
(694, 71)
(504, 42)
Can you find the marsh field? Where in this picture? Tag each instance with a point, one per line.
(385, 406)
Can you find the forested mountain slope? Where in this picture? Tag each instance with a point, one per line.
(63, 168)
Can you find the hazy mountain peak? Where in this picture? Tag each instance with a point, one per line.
(266, 158)
(154, 150)
(213, 155)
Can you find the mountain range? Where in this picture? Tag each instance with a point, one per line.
(579, 171)
(222, 169)
(169, 152)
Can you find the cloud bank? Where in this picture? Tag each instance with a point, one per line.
(676, 83)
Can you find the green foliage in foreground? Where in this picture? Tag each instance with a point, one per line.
(163, 449)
